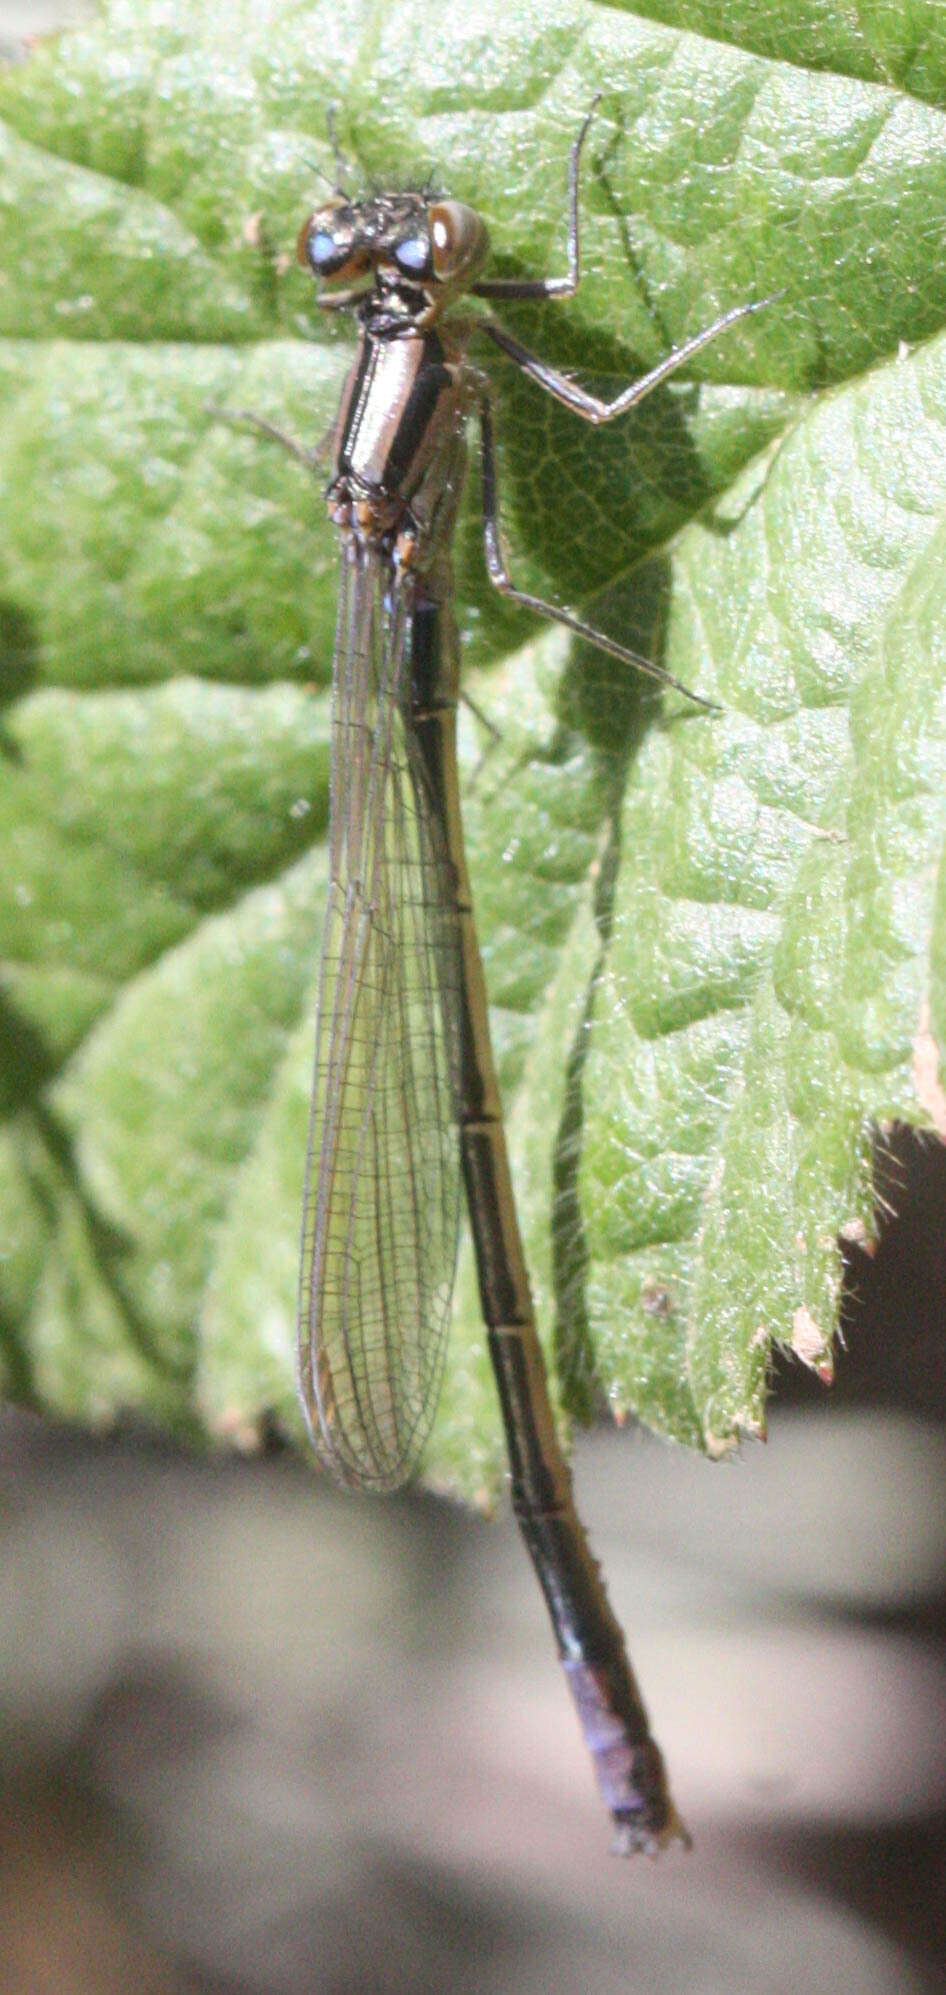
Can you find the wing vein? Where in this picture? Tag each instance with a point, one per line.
(382, 1201)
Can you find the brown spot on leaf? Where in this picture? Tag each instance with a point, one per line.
(810, 1344)
(926, 1071)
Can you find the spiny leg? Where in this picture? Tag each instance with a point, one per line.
(592, 407)
(550, 287)
(247, 419)
(499, 575)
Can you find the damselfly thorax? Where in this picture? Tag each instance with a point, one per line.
(399, 439)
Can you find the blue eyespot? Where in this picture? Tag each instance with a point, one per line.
(322, 248)
(413, 256)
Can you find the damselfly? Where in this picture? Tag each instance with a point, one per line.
(405, 1102)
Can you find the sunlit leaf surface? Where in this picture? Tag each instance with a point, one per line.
(715, 946)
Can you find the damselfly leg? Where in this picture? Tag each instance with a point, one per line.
(499, 574)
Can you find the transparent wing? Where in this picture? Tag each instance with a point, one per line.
(382, 1199)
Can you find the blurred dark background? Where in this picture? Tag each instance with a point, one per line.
(260, 1736)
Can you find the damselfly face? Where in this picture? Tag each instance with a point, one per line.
(434, 247)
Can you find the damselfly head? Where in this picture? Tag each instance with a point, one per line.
(434, 247)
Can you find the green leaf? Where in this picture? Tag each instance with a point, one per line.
(715, 946)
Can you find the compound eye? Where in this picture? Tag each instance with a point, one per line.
(323, 250)
(327, 246)
(412, 256)
(458, 239)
